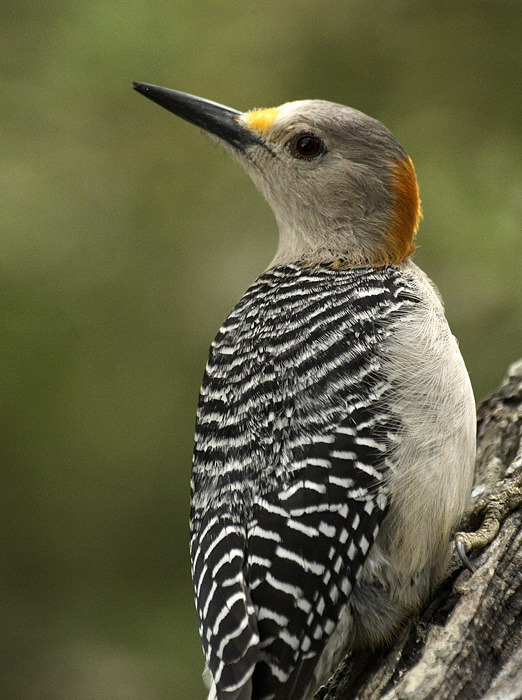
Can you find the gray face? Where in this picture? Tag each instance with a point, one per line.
(340, 185)
(327, 172)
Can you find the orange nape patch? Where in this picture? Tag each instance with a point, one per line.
(260, 119)
(407, 212)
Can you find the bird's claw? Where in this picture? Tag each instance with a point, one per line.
(493, 510)
(461, 551)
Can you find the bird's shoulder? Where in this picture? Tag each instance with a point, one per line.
(294, 368)
(293, 316)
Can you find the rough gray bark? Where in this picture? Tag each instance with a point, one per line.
(467, 643)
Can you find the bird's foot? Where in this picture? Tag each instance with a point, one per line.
(492, 510)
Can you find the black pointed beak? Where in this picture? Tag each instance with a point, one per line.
(211, 116)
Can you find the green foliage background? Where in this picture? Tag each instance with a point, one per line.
(126, 237)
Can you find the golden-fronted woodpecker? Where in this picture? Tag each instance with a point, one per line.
(335, 435)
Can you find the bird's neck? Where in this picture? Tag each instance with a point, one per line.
(342, 244)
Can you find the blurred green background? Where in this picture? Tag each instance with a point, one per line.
(126, 239)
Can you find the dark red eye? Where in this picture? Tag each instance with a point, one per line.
(307, 146)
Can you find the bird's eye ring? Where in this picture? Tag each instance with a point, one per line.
(307, 146)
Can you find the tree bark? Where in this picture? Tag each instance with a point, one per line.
(466, 644)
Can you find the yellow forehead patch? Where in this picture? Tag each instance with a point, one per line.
(260, 119)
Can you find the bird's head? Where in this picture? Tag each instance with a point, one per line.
(341, 186)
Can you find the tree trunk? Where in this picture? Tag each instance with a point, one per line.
(467, 642)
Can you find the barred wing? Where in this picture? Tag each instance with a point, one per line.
(289, 477)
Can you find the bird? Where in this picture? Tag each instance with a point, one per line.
(335, 432)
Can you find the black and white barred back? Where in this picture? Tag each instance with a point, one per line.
(290, 462)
